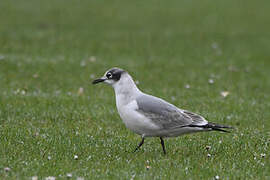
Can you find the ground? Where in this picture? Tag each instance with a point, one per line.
(209, 57)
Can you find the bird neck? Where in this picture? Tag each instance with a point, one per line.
(125, 90)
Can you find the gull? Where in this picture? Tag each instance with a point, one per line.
(150, 116)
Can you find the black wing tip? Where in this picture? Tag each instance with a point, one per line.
(219, 126)
(214, 127)
(219, 129)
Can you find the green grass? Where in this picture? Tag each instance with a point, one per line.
(46, 55)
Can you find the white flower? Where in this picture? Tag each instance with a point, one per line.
(50, 178)
(92, 76)
(210, 81)
(34, 178)
(83, 63)
(187, 86)
(224, 93)
(23, 92)
(2, 57)
(80, 91)
(214, 45)
(92, 59)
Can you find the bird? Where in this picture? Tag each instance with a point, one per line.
(150, 116)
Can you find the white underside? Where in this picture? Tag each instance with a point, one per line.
(143, 126)
(135, 121)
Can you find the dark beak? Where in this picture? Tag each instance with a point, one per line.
(98, 80)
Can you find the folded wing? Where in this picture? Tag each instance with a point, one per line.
(166, 115)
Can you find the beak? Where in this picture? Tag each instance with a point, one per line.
(99, 80)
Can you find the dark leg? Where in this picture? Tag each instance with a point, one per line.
(141, 143)
(162, 144)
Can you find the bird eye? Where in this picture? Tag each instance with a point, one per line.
(109, 75)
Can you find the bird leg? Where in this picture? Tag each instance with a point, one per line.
(162, 144)
(141, 143)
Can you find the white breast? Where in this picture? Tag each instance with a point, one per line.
(136, 121)
(126, 92)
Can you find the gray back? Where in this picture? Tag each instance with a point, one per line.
(162, 113)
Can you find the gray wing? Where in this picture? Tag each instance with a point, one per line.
(166, 115)
(197, 119)
(162, 113)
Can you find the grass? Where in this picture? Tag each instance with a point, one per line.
(51, 49)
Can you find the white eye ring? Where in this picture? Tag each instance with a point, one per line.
(109, 75)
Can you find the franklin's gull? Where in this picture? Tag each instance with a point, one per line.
(150, 116)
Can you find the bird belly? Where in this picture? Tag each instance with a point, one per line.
(135, 121)
(143, 126)
(179, 132)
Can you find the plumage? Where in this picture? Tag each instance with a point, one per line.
(166, 115)
(151, 116)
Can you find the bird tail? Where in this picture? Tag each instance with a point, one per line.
(217, 127)
(214, 127)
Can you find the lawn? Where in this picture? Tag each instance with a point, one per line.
(53, 122)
